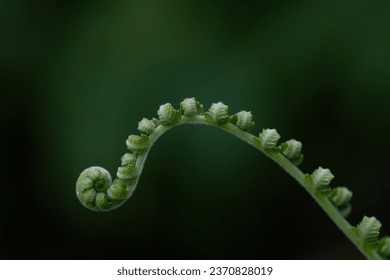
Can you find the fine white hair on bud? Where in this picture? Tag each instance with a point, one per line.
(119, 189)
(146, 126)
(292, 149)
(168, 115)
(91, 183)
(321, 178)
(368, 229)
(243, 120)
(127, 172)
(268, 139)
(190, 107)
(138, 144)
(128, 159)
(218, 113)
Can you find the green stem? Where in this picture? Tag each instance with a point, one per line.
(324, 203)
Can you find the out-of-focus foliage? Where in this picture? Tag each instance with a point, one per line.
(77, 76)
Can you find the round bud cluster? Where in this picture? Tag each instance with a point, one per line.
(91, 182)
(95, 191)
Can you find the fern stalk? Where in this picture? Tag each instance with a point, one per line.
(96, 190)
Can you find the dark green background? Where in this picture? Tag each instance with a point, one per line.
(77, 76)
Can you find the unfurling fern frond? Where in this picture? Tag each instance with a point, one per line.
(96, 191)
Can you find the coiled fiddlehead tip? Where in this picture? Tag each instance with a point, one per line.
(91, 183)
(95, 191)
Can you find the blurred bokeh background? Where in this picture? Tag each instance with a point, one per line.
(77, 76)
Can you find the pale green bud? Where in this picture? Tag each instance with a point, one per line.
(168, 115)
(138, 144)
(146, 126)
(190, 107)
(218, 113)
(321, 179)
(368, 229)
(268, 139)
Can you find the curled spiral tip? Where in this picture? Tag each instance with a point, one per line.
(96, 192)
(91, 183)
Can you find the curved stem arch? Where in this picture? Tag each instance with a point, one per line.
(96, 190)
